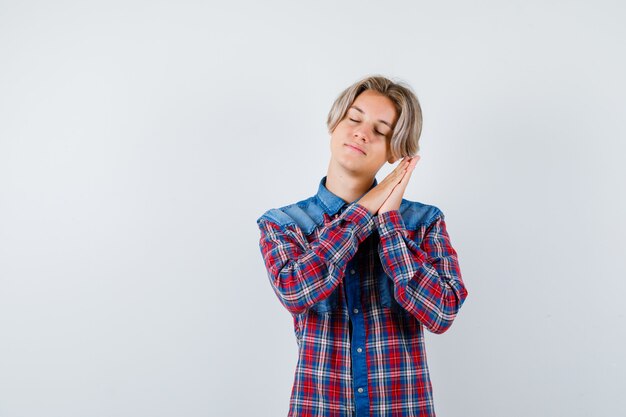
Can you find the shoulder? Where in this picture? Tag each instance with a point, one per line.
(416, 214)
(305, 214)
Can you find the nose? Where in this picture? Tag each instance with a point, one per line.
(359, 134)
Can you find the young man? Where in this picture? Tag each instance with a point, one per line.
(361, 269)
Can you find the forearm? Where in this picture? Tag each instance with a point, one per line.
(304, 273)
(427, 282)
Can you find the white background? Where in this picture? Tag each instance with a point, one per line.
(140, 141)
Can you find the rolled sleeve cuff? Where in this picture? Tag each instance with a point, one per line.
(389, 222)
(362, 219)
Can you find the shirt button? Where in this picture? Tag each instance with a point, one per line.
(352, 271)
(359, 350)
(360, 389)
(356, 310)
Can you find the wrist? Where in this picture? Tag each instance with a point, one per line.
(388, 222)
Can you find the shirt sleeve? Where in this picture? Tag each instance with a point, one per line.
(426, 275)
(303, 273)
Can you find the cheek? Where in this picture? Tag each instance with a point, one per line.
(340, 130)
(339, 135)
(382, 150)
(382, 159)
(336, 142)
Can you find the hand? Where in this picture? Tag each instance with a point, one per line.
(395, 198)
(375, 197)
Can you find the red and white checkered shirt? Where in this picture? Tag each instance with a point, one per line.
(361, 289)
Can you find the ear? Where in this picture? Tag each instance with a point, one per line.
(392, 160)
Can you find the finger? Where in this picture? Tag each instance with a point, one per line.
(399, 171)
(413, 163)
(410, 161)
(396, 175)
(405, 178)
(409, 171)
(400, 174)
(402, 165)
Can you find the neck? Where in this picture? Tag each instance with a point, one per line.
(347, 185)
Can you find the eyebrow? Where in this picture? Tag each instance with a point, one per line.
(380, 120)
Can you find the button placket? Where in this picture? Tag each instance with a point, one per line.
(357, 338)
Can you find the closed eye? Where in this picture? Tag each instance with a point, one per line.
(377, 132)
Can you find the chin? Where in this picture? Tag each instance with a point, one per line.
(348, 164)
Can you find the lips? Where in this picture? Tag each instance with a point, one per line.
(356, 148)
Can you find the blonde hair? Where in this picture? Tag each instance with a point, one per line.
(408, 127)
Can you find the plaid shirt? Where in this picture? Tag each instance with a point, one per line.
(361, 289)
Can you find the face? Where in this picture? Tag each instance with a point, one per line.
(361, 141)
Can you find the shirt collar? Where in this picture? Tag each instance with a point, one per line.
(332, 202)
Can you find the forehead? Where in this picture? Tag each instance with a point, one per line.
(376, 106)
